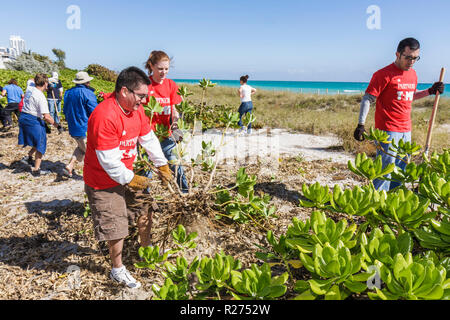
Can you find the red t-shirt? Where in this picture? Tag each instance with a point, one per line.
(167, 97)
(108, 128)
(394, 89)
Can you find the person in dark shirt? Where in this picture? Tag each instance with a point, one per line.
(54, 94)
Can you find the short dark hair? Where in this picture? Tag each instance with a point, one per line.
(412, 43)
(40, 79)
(13, 81)
(131, 78)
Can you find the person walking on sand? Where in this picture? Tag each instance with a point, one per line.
(54, 95)
(245, 94)
(394, 88)
(32, 124)
(165, 92)
(79, 102)
(114, 128)
(14, 95)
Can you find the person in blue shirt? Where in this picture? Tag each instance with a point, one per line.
(79, 102)
(14, 95)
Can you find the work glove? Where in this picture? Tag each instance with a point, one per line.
(437, 86)
(358, 134)
(165, 174)
(139, 183)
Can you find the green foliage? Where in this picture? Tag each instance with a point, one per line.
(181, 270)
(384, 246)
(368, 168)
(171, 291)
(436, 236)
(405, 209)
(319, 230)
(206, 158)
(411, 279)
(258, 283)
(335, 273)
(317, 195)
(32, 63)
(436, 188)
(405, 149)
(182, 240)
(245, 205)
(161, 131)
(214, 273)
(101, 72)
(359, 201)
(151, 257)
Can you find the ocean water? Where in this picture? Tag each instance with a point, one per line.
(311, 87)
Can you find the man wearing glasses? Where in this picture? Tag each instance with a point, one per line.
(114, 128)
(394, 87)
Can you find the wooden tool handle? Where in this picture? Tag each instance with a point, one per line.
(433, 114)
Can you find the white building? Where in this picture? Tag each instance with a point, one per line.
(17, 46)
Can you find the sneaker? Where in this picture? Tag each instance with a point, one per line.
(124, 276)
(38, 173)
(60, 129)
(27, 160)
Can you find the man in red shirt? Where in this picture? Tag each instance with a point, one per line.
(394, 87)
(114, 128)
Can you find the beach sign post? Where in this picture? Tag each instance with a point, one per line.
(433, 115)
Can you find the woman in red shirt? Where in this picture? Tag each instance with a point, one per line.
(165, 92)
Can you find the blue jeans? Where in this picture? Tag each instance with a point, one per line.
(167, 145)
(245, 107)
(54, 107)
(387, 159)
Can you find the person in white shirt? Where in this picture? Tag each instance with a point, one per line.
(32, 130)
(245, 93)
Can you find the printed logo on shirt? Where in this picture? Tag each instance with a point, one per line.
(162, 101)
(405, 95)
(128, 154)
(129, 142)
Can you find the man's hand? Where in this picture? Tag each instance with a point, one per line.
(139, 182)
(165, 174)
(358, 134)
(437, 86)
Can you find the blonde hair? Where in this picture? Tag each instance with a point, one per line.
(155, 57)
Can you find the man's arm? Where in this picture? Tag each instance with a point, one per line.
(111, 162)
(437, 86)
(364, 107)
(363, 111)
(151, 144)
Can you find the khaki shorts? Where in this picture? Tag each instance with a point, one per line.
(112, 209)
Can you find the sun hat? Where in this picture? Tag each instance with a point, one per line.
(54, 78)
(82, 77)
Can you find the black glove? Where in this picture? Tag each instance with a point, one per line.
(358, 134)
(437, 86)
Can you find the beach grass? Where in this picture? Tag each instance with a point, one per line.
(328, 114)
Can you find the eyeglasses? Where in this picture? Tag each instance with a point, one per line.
(410, 58)
(140, 96)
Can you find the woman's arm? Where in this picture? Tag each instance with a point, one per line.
(49, 119)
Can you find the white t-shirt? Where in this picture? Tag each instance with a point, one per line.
(247, 92)
(35, 102)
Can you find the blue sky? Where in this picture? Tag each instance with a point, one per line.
(269, 40)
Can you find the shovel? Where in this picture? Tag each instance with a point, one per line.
(433, 115)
